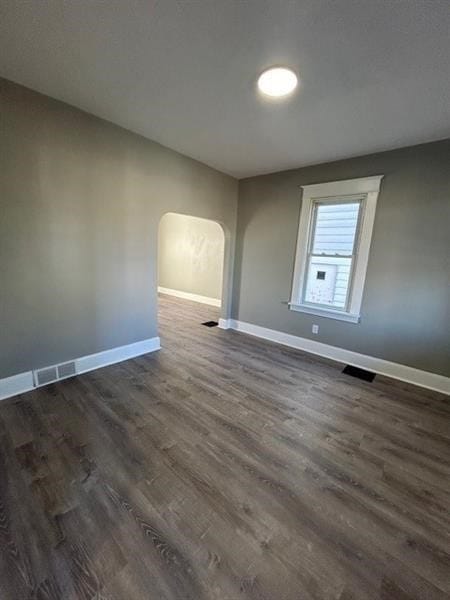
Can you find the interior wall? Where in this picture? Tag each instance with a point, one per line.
(405, 315)
(190, 255)
(81, 201)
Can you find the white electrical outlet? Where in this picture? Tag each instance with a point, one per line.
(315, 329)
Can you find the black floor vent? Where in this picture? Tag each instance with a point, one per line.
(210, 324)
(359, 373)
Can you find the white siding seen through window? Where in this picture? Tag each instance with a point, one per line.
(331, 253)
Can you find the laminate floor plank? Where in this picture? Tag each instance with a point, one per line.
(224, 467)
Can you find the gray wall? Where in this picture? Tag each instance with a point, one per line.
(80, 205)
(190, 255)
(406, 305)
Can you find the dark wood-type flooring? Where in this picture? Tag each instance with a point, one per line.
(223, 468)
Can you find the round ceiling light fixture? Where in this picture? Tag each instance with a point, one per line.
(277, 82)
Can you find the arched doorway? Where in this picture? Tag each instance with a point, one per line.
(191, 263)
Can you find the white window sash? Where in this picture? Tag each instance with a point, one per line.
(312, 232)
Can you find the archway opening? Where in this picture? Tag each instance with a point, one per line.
(191, 256)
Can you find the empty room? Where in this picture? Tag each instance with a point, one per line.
(225, 300)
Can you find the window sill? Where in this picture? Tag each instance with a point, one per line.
(325, 312)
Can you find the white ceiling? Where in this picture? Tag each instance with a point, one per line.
(374, 73)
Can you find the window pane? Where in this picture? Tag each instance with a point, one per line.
(328, 280)
(335, 228)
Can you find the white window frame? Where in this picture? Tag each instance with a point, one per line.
(366, 190)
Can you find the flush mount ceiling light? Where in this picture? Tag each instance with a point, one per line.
(277, 82)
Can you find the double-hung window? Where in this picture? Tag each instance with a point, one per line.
(335, 232)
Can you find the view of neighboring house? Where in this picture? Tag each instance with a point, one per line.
(331, 253)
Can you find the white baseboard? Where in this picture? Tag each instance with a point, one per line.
(189, 296)
(24, 382)
(225, 323)
(17, 384)
(424, 379)
(115, 355)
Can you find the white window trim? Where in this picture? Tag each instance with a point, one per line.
(368, 187)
